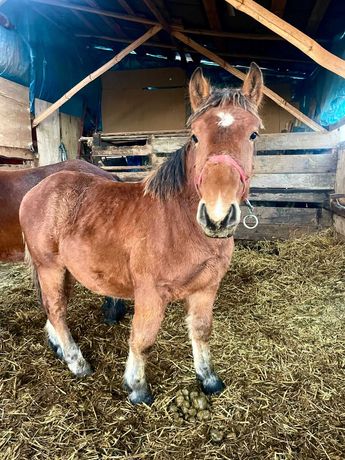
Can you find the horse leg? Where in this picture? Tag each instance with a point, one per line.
(114, 310)
(55, 284)
(199, 321)
(147, 319)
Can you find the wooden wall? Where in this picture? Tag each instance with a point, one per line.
(15, 126)
(128, 107)
(56, 129)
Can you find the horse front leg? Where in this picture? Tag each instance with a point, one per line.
(199, 321)
(148, 315)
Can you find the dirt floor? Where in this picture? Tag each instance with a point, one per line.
(278, 343)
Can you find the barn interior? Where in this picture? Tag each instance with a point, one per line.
(280, 307)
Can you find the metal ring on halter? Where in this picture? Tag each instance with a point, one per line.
(254, 224)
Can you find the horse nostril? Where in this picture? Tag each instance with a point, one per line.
(232, 218)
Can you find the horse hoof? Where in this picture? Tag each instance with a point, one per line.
(139, 397)
(114, 310)
(212, 385)
(56, 349)
(80, 368)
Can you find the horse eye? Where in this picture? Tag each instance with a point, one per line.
(194, 138)
(253, 136)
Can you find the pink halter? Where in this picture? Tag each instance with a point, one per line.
(228, 160)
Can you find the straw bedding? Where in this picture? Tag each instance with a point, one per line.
(278, 343)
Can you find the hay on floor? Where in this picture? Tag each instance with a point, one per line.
(278, 343)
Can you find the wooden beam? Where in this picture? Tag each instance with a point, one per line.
(316, 16)
(115, 60)
(111, 14)
(126, 6)
(125, 40)
(85, 21)
(114, 26)
(141, 20)
(268, 92)
(278, 7)
(210, 7)
(157, 14)
(291, 34)
(164, 45)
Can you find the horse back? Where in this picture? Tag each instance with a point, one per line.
(13, 187)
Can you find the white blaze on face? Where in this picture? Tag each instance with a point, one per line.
(225, 119)
(219, 210)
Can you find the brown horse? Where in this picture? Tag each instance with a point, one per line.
(168, 238)
(13, 186)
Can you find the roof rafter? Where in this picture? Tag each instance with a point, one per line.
(267, 91)
(316, 16)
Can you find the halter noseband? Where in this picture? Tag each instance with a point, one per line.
(228, 160)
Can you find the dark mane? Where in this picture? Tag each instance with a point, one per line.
(169, 178)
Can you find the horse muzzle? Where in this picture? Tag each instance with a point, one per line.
(222, 228)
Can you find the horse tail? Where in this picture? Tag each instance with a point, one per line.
(33, 272)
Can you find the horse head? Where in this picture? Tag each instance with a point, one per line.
(224, 125)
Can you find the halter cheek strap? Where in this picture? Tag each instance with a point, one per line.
(228, 160)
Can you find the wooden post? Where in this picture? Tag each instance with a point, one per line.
(268, 92)
(291, 34)
(96, 74)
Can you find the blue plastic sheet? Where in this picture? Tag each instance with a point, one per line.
(47, 59)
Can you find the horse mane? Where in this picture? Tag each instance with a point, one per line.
(170, 177)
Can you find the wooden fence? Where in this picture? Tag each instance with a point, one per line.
(294, 175)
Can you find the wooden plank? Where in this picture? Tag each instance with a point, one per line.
(9, 167)
(340, 175)
(234, 71)
(108, 65)
(161, 145)
(14, 152)
(297, 38)
(15, 128)
(297, 141)
(308, 164)
(283, 223)
(48, 135)
(123, 151)
(316, 181)
(131, 177)
(134, 168)
(70, 128)
(339, 224)
(316, 16)
(273, 232)
(264, 143)
(288, 196)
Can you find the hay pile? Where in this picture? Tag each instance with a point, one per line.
(278, 343)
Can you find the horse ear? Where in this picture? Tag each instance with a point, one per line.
(199, 89)
(254, 84)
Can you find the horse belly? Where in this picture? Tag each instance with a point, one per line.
(104, 275)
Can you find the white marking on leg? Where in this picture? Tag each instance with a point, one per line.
(201, 353)
(225, 119)
(135, 371)
(71, 353)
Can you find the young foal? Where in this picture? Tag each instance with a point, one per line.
(151, 241)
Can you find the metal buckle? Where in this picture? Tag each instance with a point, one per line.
(250, 221)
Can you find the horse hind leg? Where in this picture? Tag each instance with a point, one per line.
(55, 284)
